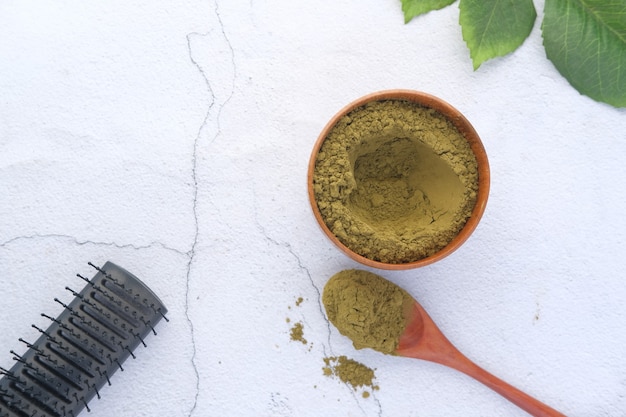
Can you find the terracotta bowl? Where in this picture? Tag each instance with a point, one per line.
(466, 130)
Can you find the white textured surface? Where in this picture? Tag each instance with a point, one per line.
(173, 140)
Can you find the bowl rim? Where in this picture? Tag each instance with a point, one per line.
(464, 127)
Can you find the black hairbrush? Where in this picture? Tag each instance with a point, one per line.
(82, 348)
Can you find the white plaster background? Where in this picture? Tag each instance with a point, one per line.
(172, 138)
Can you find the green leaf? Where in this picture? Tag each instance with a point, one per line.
(586, 42)
(412, 8)
(494, 28)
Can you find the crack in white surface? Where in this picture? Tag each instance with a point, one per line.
(328, 345)
(80, 242)
(192, 251)
(232, 63)
(301, 266)
(196, 143)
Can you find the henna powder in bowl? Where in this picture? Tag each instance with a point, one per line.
(398, 179)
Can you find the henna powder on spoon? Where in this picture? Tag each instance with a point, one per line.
(394, 181)
(367, 308)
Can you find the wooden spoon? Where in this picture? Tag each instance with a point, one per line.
(422, 339)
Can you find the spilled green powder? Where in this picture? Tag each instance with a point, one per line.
(350, 372)
(367, 308)
(394, 181)
(297, 333)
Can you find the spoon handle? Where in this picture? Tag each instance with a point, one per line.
(521, 399)
(424, 340)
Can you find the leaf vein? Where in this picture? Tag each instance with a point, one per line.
(593, 12)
